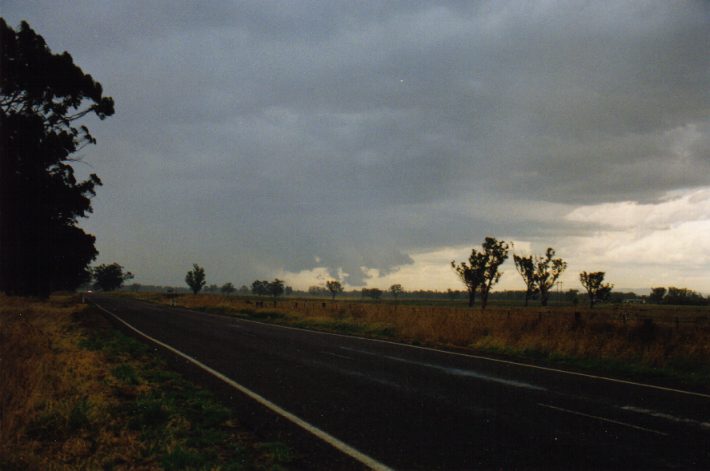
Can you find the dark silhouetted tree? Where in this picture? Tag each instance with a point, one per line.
(684, 296)
(471, 274)
(227, 288)
(42, 95)
(396, 290)
(110, 277)
(275, 288)
(482, 272)
(334, 287)
(657, 295)
(597, 290)
(526, 268)
(373, 293)
(195, 278)
(547, 271)
(317, 290)
(571, 295)
(260, 288)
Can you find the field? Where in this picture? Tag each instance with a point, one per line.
(667, 344)
(77, 394)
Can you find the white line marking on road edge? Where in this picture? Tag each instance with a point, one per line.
(603, 419)
(312, 429)
(467, 355)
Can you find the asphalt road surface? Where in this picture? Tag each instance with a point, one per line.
(405, 407)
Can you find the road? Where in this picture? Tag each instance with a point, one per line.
(413, 408)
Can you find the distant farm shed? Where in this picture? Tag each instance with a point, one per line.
(634, 301)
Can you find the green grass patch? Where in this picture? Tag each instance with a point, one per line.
(62, 418)
(126, 374)
(181, 425)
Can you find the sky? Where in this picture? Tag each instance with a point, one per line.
(375, 142)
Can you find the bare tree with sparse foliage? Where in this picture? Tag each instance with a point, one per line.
(526, 268)
(334, 287)
(481, 272)
(547, 272)
(597, 290)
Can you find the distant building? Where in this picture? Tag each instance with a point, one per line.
(634, 301)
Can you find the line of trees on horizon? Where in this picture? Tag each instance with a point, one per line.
(539, 273)
(601, 292)
(479, 275)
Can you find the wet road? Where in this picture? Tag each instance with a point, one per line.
(413, 408)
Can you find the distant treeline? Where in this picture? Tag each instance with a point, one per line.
(572, 296)
(677, 296)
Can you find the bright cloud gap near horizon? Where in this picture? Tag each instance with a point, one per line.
(630, 238)
(377, 141)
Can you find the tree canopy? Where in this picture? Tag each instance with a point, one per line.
(195, 278)
(597, 290)
(260, 287)
(110, 277)
(334, 287)
(526, 268)
(42, 95)
(374, 293)
(396, 289)
(547, 272)
(276, 288)
(228, 288)
(481, 272)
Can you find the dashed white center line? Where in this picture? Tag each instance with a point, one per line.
(453, 371)
(663, 415)
(336, 355)
(602, 419)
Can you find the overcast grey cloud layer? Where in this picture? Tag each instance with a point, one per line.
(253, 137)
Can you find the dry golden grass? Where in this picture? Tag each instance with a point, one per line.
(46, 377)
(615, 334)
(76, 394)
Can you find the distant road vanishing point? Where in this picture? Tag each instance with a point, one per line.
(390, 406)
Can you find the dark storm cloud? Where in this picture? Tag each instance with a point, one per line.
(260, 135)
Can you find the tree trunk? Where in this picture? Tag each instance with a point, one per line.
(471, 297)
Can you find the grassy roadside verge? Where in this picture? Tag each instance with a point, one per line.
(75, 393)
(598, 341)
